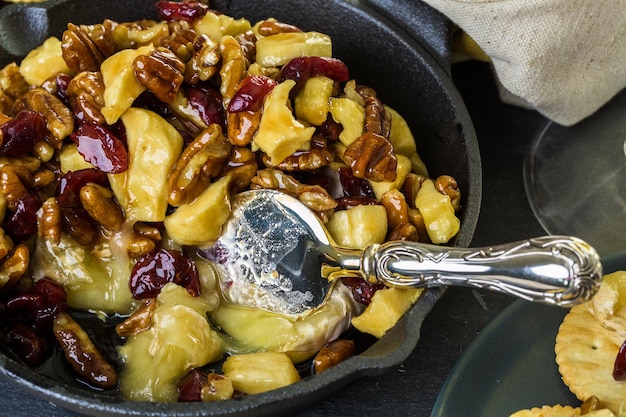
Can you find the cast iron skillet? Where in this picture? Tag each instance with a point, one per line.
(405, 62)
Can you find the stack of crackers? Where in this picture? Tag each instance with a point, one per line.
(587, 346)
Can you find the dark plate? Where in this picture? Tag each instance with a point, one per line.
(511, 365)
(378, 53)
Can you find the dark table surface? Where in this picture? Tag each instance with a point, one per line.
(504, 132)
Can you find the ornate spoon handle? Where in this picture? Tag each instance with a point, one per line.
(558, 270)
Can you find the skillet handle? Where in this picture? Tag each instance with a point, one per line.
(557, 270)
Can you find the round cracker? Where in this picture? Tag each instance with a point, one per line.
(586, 355)
(549, 411)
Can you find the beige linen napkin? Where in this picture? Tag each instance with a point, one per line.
(565, 58)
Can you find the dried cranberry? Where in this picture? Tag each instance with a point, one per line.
(68, 188)
(62, 81)
(154, 270)
(362, 290)
(302, 68)
(40, 305)
(313, 178)
(22, 132)
(190, 387)
(353, 186)
(147, 100)
(100, 147)
(251, 93)
(23, 221)
(619, 368)
(26, 343)
(208, 102)
(330, 129)
(346, 203)
(218, 253)
(183, 10)
(58, 86)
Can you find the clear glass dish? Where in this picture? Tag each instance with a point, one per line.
(575, 178)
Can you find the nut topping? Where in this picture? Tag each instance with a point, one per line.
(242, 126)
(59, 119)
(82, 354)
(272, 26)
(201, 161)
(405, 232)
(14, 267)
(86, 94)
(396, 207)
(161, 72)
(85, 47)
(372, 157)
(376, 118)
(204, 61)
(49, 220)
(447, 185)
(11, 183)
(12, 85)
(139, 320)
(333, 353)
(180, 42)
(101, 206)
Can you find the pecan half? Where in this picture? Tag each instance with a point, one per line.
(31, 163)
(82, 354)
(201, 161)
(417, 220)
(49, 223)
(161, 72)
(12, 179)
(84, 47)
(396, 207)
(78, 225)
(242, 126)
(376, 118)
(447, 185)
(14, 267)
(272, 26)
(148, 231)
(102, 206)
(86, 95)
(180, 42)
(410, 187)
(12, 85)
(136, 34)
(139, 320)
(59, 119)
(371, 156)
(204, 62)
(247, 40)
(405, 232)
(333, 353)
(138, 246)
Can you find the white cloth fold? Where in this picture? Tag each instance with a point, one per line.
(565, 58)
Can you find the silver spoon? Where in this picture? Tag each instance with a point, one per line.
(275, 254)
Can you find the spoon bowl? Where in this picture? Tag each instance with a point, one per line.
(275, 254)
